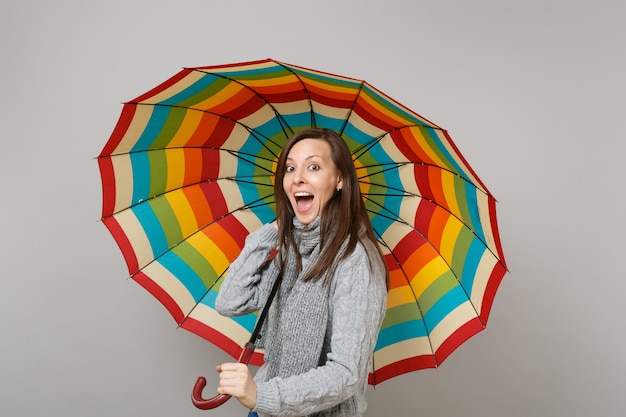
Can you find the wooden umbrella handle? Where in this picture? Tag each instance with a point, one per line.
(208, 404)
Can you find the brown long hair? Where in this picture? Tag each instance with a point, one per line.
(343, 218)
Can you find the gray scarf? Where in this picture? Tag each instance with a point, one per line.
(298, 318)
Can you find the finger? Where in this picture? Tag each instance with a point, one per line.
(231, 366)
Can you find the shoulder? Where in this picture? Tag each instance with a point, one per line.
(360, 270)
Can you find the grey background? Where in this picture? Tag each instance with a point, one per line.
(533, 93)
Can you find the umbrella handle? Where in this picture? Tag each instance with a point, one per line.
(209, 404)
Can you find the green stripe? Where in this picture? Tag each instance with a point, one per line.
(440, 287)
(401, 314)
(158, 172)
(167, 219)
(197, 262)
(171, 125)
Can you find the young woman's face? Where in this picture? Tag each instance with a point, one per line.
(311, 178)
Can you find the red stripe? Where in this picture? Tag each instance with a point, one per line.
(210, 164)
(124, 244)
(235, 229)
(407, 246)
(163, 86)
(338, 101)
(161, 295)
(128, 112)
(107, 178)
(219, 340)
(462, 158)
(490, 291)
(495, 230)
(417, 363)
(240, 106)
(314, 71)
(401, 367)
(215, 198)
(456, 339)
(222, 132)
(237, 64)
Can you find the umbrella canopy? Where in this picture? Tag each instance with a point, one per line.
(187, 174)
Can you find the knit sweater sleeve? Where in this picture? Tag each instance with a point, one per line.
(243, 291)
(356, 306)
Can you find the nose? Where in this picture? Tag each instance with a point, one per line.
(298, 176)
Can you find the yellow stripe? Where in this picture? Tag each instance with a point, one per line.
(451, 232)
(184, 213)
(331, 87)
(210, 250)
(175, 168)
(400, 296)
(449, 190)
(385, 110)
(270, 82)
(187, 128)
(182, 84)
(220, 97)
(427, 275)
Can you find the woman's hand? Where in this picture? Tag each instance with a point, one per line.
(236, 381)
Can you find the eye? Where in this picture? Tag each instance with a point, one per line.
(289, 168)
(314, 167)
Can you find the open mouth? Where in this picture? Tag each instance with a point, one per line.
(304, 200)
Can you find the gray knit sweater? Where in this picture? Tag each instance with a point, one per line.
(356, 304)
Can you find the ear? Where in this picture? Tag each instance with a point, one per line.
(339, 184)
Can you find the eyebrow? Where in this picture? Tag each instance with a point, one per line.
(307, 158)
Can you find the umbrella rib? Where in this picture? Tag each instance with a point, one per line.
(287, 130)
(236, 154)
(406, 278)
(259, 137)
(256, 203)
(241, 179)
(352, 106)
(396, 165)
(306, 91)
(402, 221)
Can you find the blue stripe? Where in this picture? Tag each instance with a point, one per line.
(328, 122)
(186, 275)
(153, 128)
(449, 160)
(269, 129)
(247, 321)
(472, 206)
(384, 102)
(474, 254)
(451, 300)
(141, 176)
(152, 227)
(400, 332)
(246, 73)
(189, 92)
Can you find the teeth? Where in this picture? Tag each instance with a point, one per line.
(303, 194)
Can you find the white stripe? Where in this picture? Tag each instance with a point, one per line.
(135, 233)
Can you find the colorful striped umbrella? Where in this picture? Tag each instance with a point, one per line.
(187, 174)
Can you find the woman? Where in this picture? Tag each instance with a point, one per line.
(322, 327)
